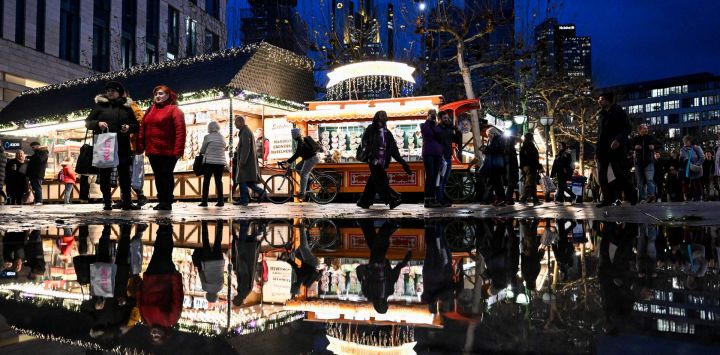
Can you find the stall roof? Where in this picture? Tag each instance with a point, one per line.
(360, 110)
(260, 68)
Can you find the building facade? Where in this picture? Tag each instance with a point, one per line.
(561, 51)
(49, 41)
(675, 107)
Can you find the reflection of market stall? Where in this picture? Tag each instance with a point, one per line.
(260, 82)
(338, 126)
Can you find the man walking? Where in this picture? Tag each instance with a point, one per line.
(644, 145)
(613, 130)
(247, 163)
(37, 164)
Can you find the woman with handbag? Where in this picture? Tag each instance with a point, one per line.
(691, 161)
(112, 114)
(162, 138)
(214, 162)
(16, 178)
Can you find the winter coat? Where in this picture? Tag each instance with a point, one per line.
(245, 259)
(3, 164)
(16, 177)
(213, 147)
(160, 299)
(247, 161)
(692, 155)
(115, 113)
(529, 156)
(139, 116)
(449, 135)
(303, 150)
(162, 131)
(613, 125)
(562, 166)
(644, 155)
(37, 164)
(432, 145)
(69, 175)
(211, 275)
(371, 146)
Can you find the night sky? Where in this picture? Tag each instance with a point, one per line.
(633, 40)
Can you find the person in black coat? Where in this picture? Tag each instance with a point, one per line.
(3, 164)
(644, 145)
(378, 146)
(494, 165)
(113, 114)
(531, 167)
(449, 135)
(562, 169)
(612, 146)
(16, 178)
(37, 164)
(511, 168)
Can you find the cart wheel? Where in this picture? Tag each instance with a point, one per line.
(460, 235)
(460, 187)
(323, 234)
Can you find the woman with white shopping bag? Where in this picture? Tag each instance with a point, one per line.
(113, 115)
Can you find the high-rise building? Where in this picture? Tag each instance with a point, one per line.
(561, 51)
(50, 41)
(274, 22)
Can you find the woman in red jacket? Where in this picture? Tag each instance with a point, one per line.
(162, 138)
(68, 178)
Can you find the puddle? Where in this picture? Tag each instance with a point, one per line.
(350, 286)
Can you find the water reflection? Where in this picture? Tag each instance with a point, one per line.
(432, 285)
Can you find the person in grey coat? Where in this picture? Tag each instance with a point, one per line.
(247, 162)
(213, 147)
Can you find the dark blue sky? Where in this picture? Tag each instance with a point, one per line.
(633, 40)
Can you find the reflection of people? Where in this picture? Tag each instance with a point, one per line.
(245, 251)
(34, 254)
(378, 277)
(615, 256)
(304, 263)
(437, 273)
(160, 293)
(210, 261)
(530, 255)
(14, 250)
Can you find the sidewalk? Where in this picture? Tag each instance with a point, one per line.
(26, 217)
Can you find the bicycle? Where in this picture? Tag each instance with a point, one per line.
(280, 188)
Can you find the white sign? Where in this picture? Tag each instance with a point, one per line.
(277, 131)
(277, 288)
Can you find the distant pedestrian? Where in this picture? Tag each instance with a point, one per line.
(16, 178)
(3, 164)
(449, 135)
(531, 168)
(494, 165)
(512, 169)
(674, 185)
(432, 156)
(162, 139)
(113, 114)
(644, 146)
(68, 179)
(137, 158)
(262, 145)
(378, 146)
(708, 174)
(248, 171)
(613, 170)
(37, 165)
(691, 159)
(662, 168)
(215, 161)
(307, 149)
(562, 169)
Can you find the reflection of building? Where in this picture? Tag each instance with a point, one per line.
(54, 41)
(674, 107)
(561, 51)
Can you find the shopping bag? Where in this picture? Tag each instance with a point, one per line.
(105, 153)
(138, 172)
(548, 185)
(102, 279)
(610, 174)
(199, 165)
(83, 165)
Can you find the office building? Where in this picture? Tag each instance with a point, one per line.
(560, 51)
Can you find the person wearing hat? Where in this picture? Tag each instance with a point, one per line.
(37, 164)
(68, 178)
(307, 149)
(113, 114)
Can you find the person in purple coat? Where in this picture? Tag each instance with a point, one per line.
(432, 152)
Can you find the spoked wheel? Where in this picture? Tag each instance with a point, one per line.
(323, 189)
(279, 188)
(460, 187)
(323, 233)
(278, 233)
(460, 235)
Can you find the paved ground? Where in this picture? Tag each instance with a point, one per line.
(694, 213)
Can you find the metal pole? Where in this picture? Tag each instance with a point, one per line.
(229, 279)
(231, 123)
(547, 156)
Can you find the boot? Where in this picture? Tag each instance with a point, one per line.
(431, 203)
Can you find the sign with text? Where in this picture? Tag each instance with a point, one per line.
(277, 131)
(277, 288)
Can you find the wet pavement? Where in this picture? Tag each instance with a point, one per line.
(297, 279)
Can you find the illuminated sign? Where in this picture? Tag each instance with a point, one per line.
(374, 68)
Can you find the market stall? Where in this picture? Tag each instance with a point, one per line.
(261, 82)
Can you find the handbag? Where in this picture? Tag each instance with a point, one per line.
(138, 172)
(83, 165)
(105, 151)
(548, 185)
(199, 165)
(114, 178)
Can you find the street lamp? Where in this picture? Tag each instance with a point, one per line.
(547, 122)
(520, 120)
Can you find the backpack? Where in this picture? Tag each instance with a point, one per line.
(313, 144)
(61, 176)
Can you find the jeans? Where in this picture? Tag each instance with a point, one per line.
(432, 167)
(163, 167)
(67, 194)
(244, 195)
(305, 167)
(645, 180)
(210, 171)
(36, 184)
(440, 192)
